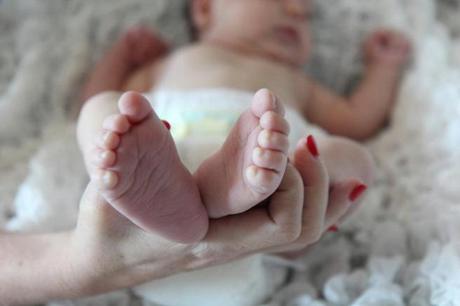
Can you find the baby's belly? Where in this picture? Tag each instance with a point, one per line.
(206, 68)
(202, 119)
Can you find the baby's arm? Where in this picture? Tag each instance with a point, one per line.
(137, 50)
(365, 112)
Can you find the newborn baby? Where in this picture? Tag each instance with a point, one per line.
(205, 91)
(243, 45)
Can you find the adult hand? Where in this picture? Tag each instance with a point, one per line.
(107, 252)
(112, 253)
(326, 206)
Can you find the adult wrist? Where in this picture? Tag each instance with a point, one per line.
(35, 268)
(106, 265)
(69, 270)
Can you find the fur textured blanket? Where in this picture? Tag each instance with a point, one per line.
(401, 248)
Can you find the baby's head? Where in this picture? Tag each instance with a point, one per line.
(278, 29)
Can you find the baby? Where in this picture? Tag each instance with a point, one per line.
(202, 89)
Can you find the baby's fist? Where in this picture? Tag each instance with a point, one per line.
(387, 47)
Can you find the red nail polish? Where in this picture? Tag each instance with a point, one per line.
(357, 192)
(167, 124)
(311, 145)
(333, 229)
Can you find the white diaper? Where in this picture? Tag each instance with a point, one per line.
(201, 121)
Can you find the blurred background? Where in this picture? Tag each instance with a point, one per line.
(48, 47)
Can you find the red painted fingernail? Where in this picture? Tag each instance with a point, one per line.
(333, 229)
(357, 192)
(311, 145)
(167, 124)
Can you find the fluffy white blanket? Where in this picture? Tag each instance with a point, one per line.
(401, 248)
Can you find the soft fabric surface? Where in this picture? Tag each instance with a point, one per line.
(401, 248)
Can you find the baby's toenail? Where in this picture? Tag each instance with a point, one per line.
(251, 172)
(276, 106)
(270, 140)
(267, 136)
(107, 137)
(111, 140)
(107, 157)
(109, 179)
(258, 152)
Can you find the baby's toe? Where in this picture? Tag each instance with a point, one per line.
(268, 159)
(262, 181)
(265, 101)
(134, 106)
(273, 141)
(101, 159)
(108, 140)
(275, 122)
(116, 123)
(104, 158)
(106, 179)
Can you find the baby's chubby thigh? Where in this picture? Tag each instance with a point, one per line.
(345, 159)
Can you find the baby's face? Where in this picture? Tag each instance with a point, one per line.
(278, 29)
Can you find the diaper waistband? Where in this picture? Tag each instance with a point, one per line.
(210, 112)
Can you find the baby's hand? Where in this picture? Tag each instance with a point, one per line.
(387, 47)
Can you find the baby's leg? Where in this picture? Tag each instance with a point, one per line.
(251, 163)
(345, 159)
(137, 168)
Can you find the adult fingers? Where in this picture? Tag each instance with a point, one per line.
(347, 161)
(264, 227)
(316, 188)
(342, 198)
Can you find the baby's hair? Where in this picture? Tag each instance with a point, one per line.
(189, 20)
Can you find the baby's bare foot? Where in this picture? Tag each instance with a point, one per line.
(251, 163)
(141, 175)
